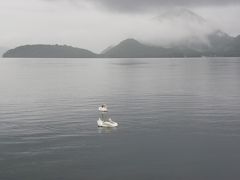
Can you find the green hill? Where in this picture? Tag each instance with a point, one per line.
(48, 51)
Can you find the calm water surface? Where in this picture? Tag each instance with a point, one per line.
(179, 119)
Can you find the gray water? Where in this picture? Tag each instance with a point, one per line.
(179, 119)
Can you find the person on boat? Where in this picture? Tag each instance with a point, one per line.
(104, 106)
(104, 115)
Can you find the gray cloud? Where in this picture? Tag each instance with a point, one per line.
(80, 23)
(145, 5)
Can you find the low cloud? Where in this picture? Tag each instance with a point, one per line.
(81, 24)
(132, 6)
(173, 27)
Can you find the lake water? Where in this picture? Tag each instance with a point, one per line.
(179, 119)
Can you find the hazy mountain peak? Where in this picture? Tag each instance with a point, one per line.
(125, 43)
(180, 13)
(220, 33)
(175, 26)
(129, 41)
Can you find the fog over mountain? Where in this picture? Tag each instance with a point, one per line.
(134, 6)
(94, 25)
(174, 27)
(174, 32)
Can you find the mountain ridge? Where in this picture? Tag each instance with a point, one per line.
(220, 44)
(176, 32)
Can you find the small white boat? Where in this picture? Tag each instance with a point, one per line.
(104, 120)
(108, 123)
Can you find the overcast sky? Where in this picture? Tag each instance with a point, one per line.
(96, 24)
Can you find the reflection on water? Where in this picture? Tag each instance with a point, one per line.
(179, 119)
(106, 130)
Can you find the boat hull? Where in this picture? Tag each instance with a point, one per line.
(109, 123)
